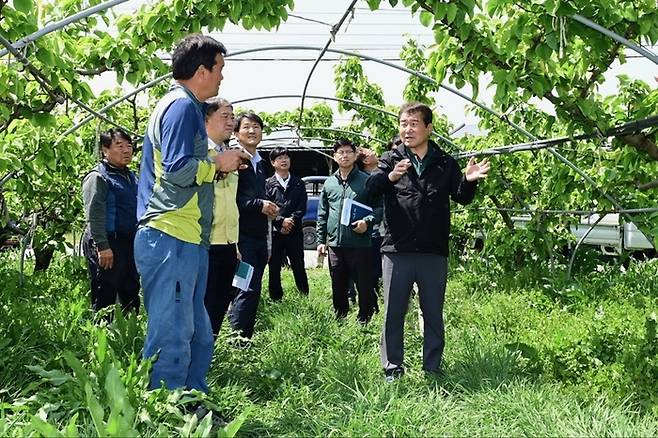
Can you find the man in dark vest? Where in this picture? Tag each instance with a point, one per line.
(109, 193)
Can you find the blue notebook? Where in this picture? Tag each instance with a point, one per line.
(353, 211)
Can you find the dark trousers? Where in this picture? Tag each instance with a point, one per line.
(121, 281)
(245, 304)
(222, 263)
(356, 263)
(291, 245)
(376, 240)
(400, 272)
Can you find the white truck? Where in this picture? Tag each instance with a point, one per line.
(611, 234)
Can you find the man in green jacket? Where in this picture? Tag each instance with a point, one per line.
(348, 246)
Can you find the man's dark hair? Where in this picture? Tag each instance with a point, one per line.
(193, 51)
(277, 152)
(107, 137)
(342, 142)
(417, 107)
(395, 142)
(250, 115)
(215, 103)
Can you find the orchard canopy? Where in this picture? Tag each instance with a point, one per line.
(545, 60)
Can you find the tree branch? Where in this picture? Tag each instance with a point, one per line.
(598, 71)
(642, 143)
(91, 71)
(505, 215)
(647, 186)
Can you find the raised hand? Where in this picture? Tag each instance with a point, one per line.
(399, 170)
(476, 171)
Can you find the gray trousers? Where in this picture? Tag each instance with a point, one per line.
(400, 272)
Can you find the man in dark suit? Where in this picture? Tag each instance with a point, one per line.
(256, 212)
(289, 193)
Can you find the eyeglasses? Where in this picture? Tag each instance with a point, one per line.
(344, 152)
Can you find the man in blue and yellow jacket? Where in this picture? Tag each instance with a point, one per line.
(175, 202)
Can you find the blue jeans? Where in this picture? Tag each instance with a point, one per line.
(173, 275)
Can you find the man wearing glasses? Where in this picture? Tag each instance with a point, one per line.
(348, 246)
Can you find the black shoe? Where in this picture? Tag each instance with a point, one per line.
(435, 374)
(201, 412)
(393, 374)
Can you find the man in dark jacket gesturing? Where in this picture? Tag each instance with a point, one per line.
(417, 180)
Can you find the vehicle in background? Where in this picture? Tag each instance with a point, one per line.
(313, 189)
(611, 234)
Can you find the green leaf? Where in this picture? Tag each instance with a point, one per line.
(71, 429)
(101, 346)
(492, 6)
(44, 428)
(77, 367)
(373, 4)
(451, 13)
(231, 429)
(552, 41)
(66, 86)
(440, 10)
(44, 120)
(56, 377)
(236, 11)
(96, 410)
(24, 6)
(426, 18)
(204, 428)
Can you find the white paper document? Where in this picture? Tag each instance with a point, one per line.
(243, 275)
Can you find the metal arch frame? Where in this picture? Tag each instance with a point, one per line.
(502, 117)
(310, 148)
(285, 128)
(62, 23)
(615, 36)
(559, 156)
(338, 99)
(643, 52)
(112, 105)
(332, 37)
(109, 4)
(491, 111)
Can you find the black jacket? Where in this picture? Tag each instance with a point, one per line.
(250, 196)
(291, 201)
(417, 208)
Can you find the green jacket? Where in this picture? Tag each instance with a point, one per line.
(329, 230)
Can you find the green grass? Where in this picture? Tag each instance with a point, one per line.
(518, 361)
